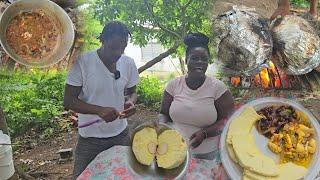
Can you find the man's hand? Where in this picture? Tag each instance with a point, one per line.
(129, 110)
(281, 11)
(108, 114)
(197, 138)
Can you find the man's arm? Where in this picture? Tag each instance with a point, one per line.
(71, 101)
(284, 3)
(313, 8)
(282, 10)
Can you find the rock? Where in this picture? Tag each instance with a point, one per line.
(65, 153)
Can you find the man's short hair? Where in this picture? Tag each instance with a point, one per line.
(114, 28)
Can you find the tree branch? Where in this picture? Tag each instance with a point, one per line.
(160, 57)
(158, 24)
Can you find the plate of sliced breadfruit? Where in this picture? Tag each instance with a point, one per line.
(158, 152)
(271, 139)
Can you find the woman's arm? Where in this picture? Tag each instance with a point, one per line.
(225, 107)
(165, 106)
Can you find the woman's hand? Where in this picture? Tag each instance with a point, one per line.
(197, 138)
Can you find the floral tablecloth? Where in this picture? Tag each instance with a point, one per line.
(112, 164)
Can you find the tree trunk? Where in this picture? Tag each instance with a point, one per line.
(182, 65)
(159, 58)
(3, 123)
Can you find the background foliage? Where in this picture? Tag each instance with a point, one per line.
(150, 91)
(164, 21)
(34, 100)
(90, 28)
(31, 100)
(300, 3)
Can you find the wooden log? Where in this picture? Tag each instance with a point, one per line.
(312, 81)
(304, 82)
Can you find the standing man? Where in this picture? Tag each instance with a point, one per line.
(263, 7)
(284, 8)
(95, 89)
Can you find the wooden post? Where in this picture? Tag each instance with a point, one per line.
(3, 123)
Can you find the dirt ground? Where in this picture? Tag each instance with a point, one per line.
(42, 160)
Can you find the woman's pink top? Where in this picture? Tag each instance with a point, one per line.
(192, 110)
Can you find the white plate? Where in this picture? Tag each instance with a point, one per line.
(235, 171)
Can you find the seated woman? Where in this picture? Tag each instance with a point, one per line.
(196, 103)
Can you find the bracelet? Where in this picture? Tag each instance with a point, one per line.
(205, 133)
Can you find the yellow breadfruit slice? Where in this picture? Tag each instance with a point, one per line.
(172, 149)
(250, 158)
(290, 171)
(231, 153)
(245, 177)
(144, 145)
(253, 176)
(243, 123)
(286, 171)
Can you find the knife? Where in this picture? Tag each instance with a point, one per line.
(86, 124)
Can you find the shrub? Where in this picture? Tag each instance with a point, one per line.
(150, 91)
(31, 100)
(300, 3)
